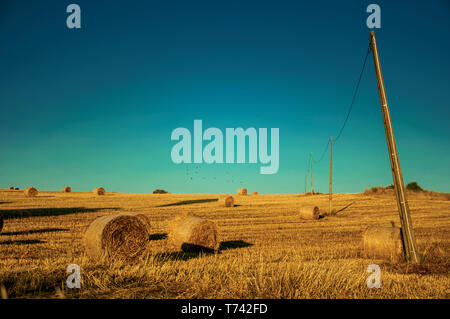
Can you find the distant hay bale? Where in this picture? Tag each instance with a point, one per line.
(228, 201)
(11, 188)
(254, 193)
(383, 243)
(66, 189)
(99, 191)
(30, 192)
(192, 233)
(242, 191)
(17, 188)
(1, 223)
(309, 212)
(121, 236)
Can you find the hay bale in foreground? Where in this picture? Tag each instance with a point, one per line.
(254, 193)
(122, 237)
(242, 191)
(1, 223)
(30, 192)
(309, 212)
(99, 191)
(11, 188)
(192, 233)
(66, 189)
(383, 243)
(16, 189)
(228, 201)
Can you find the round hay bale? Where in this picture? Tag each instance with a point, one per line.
(192, 233)
(121, 236)
(16, 189)
(254, 193)
(228, 201)
(30, 192)
(11, 188)
(242, 191)
(309, 212)
(99, 191)
(1, 223)
(382, 242)
(66, 189)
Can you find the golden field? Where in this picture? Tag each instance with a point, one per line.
(267, 251)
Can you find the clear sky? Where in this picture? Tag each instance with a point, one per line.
(96, 106)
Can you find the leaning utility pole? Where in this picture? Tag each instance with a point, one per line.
(312, 189)
(331, 172)
(409, 239)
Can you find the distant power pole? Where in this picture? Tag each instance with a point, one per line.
(305, 184)
(331, 172)
(409, 240)
(312, 188)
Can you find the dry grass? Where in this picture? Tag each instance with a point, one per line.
(266, 250)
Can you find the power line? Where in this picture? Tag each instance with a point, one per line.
(323, 153)
(349, 110)
(308, 165)
(354, 95)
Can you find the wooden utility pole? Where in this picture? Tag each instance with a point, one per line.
(312, 188)
(305, 184)
(331, 172)
(409, 240)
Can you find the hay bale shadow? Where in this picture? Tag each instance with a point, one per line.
(157, 236)
(334, 212)
(233, 244)
(32, 212)
(183, 255)
(344, 208)
(194, 251)
(34, 231)
(189, 202)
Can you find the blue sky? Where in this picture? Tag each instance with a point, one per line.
(96, 106)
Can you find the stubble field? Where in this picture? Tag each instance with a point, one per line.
(266, 250)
